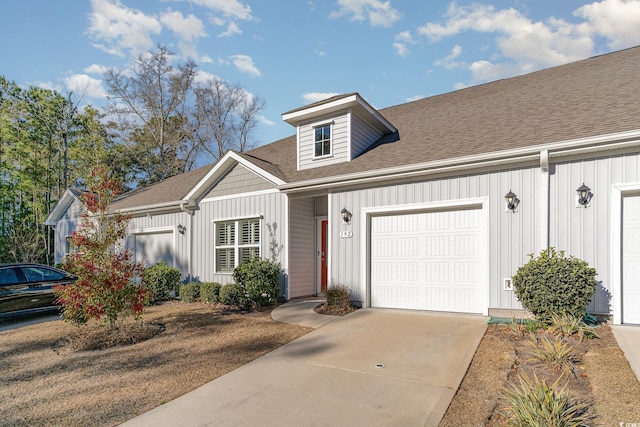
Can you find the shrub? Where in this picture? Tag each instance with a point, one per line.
(338, 297)
(235, 294)
(536, 403)
(554, 284)
(260, 279)
(567, 325)
(189, 292)
(210, 292)
(161, 280)
(557, 354)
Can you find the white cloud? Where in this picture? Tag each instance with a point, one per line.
(616, 20)
(317, 96)
(229, 8)
(401, 42)
(202, 77)
(245, 64)
(449, 62)
(378, 13)
(116, 28)
(188, 29)
(263, 120)
(95, 69)
(523, 45)
(83, 85)
(232, 29)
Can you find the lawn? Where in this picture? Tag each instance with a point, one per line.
(47, 382)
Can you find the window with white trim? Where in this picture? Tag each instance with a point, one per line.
(236, 241)
(322, 138)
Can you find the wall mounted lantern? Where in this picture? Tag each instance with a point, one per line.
(584, 195)
(346, 216)
(512, 201)
(181, 229)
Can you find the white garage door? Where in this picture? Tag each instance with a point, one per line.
(428, 261)
(631, 260)
(151, 248)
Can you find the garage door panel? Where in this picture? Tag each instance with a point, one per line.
(437, 267)
(631, 260)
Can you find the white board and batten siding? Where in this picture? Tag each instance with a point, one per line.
(302, 247)
(471, 198)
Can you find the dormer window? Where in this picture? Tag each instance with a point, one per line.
(322, 140)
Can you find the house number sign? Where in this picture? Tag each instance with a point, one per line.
(346, 234)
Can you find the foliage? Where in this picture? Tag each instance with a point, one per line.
(106, 288)
(236, 295)
(556, 353)
(537, 404)
(161, 280)
(210, 292)
(568, 325)
(260, 278)
(338, 297)
(555, 284)
(189, 292)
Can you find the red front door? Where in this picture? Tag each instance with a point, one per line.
(323, 255)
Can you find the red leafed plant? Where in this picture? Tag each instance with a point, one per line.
(106, 288)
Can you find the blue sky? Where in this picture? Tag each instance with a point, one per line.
(294, 52)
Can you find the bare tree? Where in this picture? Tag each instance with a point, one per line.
(151, 113)
(227, 114)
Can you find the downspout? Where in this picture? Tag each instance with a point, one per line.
(544, 205)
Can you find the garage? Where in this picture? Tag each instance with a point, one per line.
(429, 261)
(631, 260)
(152, 248)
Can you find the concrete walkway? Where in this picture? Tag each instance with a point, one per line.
(374, 367)
(628, 338)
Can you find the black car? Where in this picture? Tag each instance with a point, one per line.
(29, 288)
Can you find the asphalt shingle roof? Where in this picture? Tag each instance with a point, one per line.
(596, 96)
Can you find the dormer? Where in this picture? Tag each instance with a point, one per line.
(336, 130)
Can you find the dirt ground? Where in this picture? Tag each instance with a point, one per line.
(46, 382)
(600, 377)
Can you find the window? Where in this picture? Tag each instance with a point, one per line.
(322, 140)
(236, 242)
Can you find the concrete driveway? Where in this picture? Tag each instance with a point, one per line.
(374, 367)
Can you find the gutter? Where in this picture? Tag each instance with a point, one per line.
(182, 205)
(614, 141)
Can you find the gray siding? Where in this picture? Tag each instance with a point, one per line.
(339, 142)
(585, 232)
(271, 206)
(67, 224)
(511, 236)
(237, 180)
(302, 247)
(165, 223)
(362, 136)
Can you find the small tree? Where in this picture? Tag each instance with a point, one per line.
(260, 278)
(106, 288)
(554, 284)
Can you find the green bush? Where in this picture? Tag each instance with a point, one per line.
(554, 284)
(210, 292)
(189, 292)
(161, 280)
(338, 297)
(235, 294)
(261, 280)
(536, 403)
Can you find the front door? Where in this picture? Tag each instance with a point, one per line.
(323, 254)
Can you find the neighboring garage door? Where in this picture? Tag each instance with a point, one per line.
(151, 248)
(631, 260)
(428, 261)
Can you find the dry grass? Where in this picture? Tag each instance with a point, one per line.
(601, 377)
(46, 381)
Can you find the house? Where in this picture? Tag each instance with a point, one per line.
(406, 205)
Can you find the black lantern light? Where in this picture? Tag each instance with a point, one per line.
(512, 201)
(584, 195)
(346, 216)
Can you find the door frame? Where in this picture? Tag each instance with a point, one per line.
(617, 193)
(319, 255)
